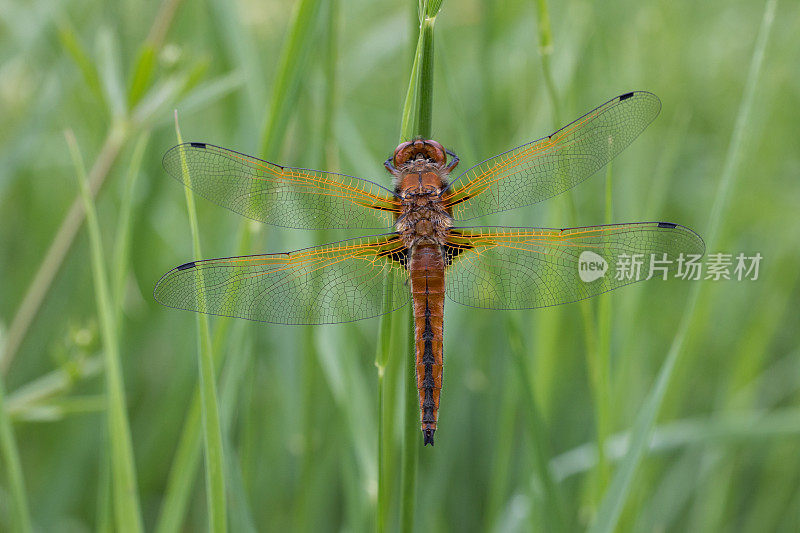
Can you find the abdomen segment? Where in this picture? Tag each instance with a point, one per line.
(426, 270)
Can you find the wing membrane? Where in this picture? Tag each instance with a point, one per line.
(281, 196)
(541, 169)
(338, 282)
(523, 268)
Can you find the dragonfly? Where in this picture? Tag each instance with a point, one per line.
(424, 248)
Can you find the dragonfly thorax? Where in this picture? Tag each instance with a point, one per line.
(422, 218)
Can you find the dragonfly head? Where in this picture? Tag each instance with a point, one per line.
(419, 149)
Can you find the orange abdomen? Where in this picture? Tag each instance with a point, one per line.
(426, 269)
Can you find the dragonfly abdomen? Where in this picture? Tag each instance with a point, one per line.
(426, 269)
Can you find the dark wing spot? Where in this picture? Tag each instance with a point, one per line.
(198, 145)
(669, 225)
(391, 209)
(398, 254)
(186, 266)
(625, 96)
(460, 200)
(454, 249)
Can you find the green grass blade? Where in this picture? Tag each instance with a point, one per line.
(230, 381)
(104, 515)
(553, 513)
(291, 69)
(206, 94)
(409, 109)
(143, 72)
(56, 382)
(423, 94)
(313, 381)
(111, 74)
(126, 501)
(603, 367)
(69, 40)
(122, 240)
(503, 448)
(545, 51)
(212, 433)
(61, 244)
(619, 490)
(734, 154)
(417, 114)
(182, 471)
(410, 457)
(729, 429)
(384, 348)
(293, 59)
(20, 513)
(594, 353)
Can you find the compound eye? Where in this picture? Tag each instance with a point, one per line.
(435, 151)
(402, 153)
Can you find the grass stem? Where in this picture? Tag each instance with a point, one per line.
(126, 501)
(290, 71)
(416, 121)
(597, 377)
(19, 512)
(620, 487)
(212, 433)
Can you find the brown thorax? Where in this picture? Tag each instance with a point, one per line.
(420, 170)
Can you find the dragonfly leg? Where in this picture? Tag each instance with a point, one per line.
(389, 164)
(453, 161)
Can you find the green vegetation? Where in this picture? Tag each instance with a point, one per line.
(661, 406)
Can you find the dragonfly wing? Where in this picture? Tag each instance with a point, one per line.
(338, 282)
(523, 268)
(281, 196)
(549, 166)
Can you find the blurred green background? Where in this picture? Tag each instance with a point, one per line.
(526, 393)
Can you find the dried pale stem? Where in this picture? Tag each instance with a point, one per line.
(58, 249)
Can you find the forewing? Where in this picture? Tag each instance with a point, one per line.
(523, 268)
(337, 282)
(281, 196)
(541, 169)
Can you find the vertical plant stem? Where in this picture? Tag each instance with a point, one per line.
(126, 501)
(186, 459)
(620, 487)
(381, 358)
(503, 446)
(104, 521)
(545, 51)
(604, 411)
(424, 93)
(291, 68)
(212, 433)
(20, 513)
(293, 56)
(116, 136)
(410, 456)
(554, 515)
(122, 238)
(311, 373)
(416, 122)
(590, 335)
